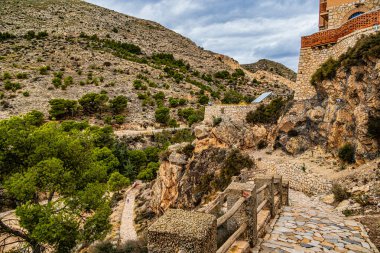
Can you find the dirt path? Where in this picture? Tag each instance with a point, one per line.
(308, 225)
(127, 227)
(122, 133)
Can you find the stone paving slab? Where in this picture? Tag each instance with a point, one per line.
(311, 226)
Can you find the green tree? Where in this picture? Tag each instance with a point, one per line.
(232, 97)
(118, 104)
(69, 165)
(162, 115)
(117, 182)
(62, 108)
(93, 103)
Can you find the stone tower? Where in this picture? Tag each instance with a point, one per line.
(341, 24)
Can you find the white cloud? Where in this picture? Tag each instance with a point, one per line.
(246, 30)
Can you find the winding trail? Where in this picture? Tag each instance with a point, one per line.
(127, 227)
(308, 225)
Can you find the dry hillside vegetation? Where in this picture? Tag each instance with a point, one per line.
(66, 49)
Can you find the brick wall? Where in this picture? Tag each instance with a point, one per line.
(339, 11)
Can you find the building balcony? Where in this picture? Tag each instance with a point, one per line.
(331, 36)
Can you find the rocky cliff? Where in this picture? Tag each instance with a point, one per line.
(345, 110)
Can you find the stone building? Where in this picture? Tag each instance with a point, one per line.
(341, 24)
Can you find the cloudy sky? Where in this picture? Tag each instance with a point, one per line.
(247, 30)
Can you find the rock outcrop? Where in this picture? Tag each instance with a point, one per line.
(339, 115)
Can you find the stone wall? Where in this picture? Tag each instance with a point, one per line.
(312, 58)
(299, 180)
(338, 14)
(235, 113)
(183, 231)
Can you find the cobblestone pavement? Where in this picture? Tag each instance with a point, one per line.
(308, 225)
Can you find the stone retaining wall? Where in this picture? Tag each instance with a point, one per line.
(312, 58)
(299, 180)
(234, 113)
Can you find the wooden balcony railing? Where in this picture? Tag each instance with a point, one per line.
(332, 36)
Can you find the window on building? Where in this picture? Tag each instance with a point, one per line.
(356, 14)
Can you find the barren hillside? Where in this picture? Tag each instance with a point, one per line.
(64, 49)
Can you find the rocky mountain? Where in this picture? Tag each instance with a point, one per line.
(272, 67)
(54, 49)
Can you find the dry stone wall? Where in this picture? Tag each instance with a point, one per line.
(299, 180)
(233, 113)
(312, 58)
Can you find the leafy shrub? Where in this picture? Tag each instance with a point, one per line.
(364, 49)
(69, 125)
(162, 115)
(191, 115)
(178, 77)
(93, 103)
(44, 70)
(62, 108)
(169, 60)
(203, 99)
(159, 96)
(138, 85)
(118, 104)
(173, 123)
(119, 119)
(232, 97)
(238, 73)
(340, 193)
(26, 94)
(217, 121)
(223, 74)
(22, 75)
(7, 76)
(326, 72)
(262, 144)
(57, 82)
(150, 172)
(117, 182)
(33, 35)
(188, 150)
(8, 85)
(266, 114)
(347, 153)
(67, 81)
(6, 36)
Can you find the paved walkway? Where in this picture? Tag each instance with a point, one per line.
(127, 228)
(311, 226)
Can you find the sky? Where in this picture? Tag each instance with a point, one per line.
(246, 30)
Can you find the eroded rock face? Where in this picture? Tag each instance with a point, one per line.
(230, 135)
(340, 115)
(184, 185)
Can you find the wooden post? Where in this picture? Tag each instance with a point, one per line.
(280, 191)
(251, 211)
(271, 197)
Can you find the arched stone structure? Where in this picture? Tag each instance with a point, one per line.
(363, 9)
